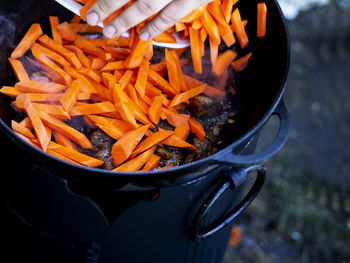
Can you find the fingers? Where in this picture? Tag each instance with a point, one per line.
(101, 9)
(139, 11)
(171, 14)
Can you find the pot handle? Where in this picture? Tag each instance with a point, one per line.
(232, 159)
(236, 177)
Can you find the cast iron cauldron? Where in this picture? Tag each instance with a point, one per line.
(55, 211)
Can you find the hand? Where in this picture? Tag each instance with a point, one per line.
(170, 12)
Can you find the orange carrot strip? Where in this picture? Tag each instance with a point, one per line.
(63, 140)
(90, 42)
(27, 41)
(214, 51)
(49, 43)
(211, 27)
(38, 125)
(223, 61)
(261, 20)
(50, 54)
(85, 9)
(85, 61)
(88, 72)
(173, 74)
(175, 119)
(125, 79)
(53, 68)
(19, 70)
(151, 163)
(39, 87)
(196, 128)
(239, 28)
(111, 131)
(117, 52)
(241, 63)
(137, 53)
(70, 96)
(75, 19)
(94, 108)
(86, 85)
(58, 125)
(85, 28)
(10, 91)
(165, 38)
(74, 155)
(183, 86)
(60, 156)
(209, 90)
(121, 125)
(165, 167)
(122, 149)
(136, 163)
(151, 141)
(17, 127)
(185, 96)
(178, 142)
(141, 79)
(54, 22)
(67, 32)
(54, 110)
(193, 15)
(226, 8)
(97, 52)
(161, 83)
(182, 131)
(126, 113)
(98, 63)
(154, 110)
(195, 50)
(179, 26)
(131, 92)
(116, 65)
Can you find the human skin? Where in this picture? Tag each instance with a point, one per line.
(169, 12)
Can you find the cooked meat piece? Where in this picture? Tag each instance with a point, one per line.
(170, 155)
(102, 145)
(203, 107)
(204, 149)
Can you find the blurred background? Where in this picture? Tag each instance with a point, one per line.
(303, 212)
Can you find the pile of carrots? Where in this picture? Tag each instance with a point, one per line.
(114, 87)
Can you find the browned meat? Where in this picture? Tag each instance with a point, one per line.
(203, 107)
(102, 145)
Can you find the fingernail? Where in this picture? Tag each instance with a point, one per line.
(144, 36)
(92, 18)
(109, 31)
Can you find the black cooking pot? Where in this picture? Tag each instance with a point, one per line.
(71, 213)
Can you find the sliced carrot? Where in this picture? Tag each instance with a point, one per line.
(54, 22)
(17, 127)
(210, 26)
(178, 142)
(220, 82)
(183, 86)
(223, 61)
(117, 52)
(39, 87)
(54, 110)
(165, 38)
(173, 74)
(88, 72)
(241, 63)
(111, 131)
(84, 42)
(141, 79)
(63, 140)
(70, 96)
(196, 128)
(49, 43)
(86, 8)
(195, 50)
(94, 108)
(209, 90)
(67, 32)
(182, 131)
(165, 167)
(194, 15)
(161, 83)
(19, 70)
(125, 79)
(38, 125)
(136, 163)
(86, 85)
(75, 19)
(226, 7)
(85, 61)
(39, 49)
(175, 119)
(98, 63)
(122, 149)
(239, 28)
(27, 41)
(10, 91)
(185, 96)
(214, 51)
(151, 163)
(116, 65)
(126, 113)
(180, 26)
(151, 141)
(154, 111)
(83, 159)
(58, 125)
(261, 20)
(137, 53)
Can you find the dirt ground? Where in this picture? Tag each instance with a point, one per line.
(303, 211)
